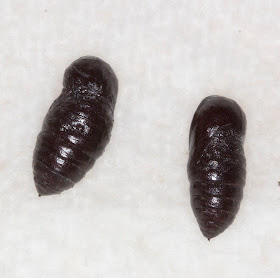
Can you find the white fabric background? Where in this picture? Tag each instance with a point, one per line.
(131, 215)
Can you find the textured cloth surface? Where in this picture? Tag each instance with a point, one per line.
(130, 216)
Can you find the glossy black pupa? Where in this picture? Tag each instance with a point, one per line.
(217, 165)
(77, 127)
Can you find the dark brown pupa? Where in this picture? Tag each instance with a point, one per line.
(77, 126)
(217, 165)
